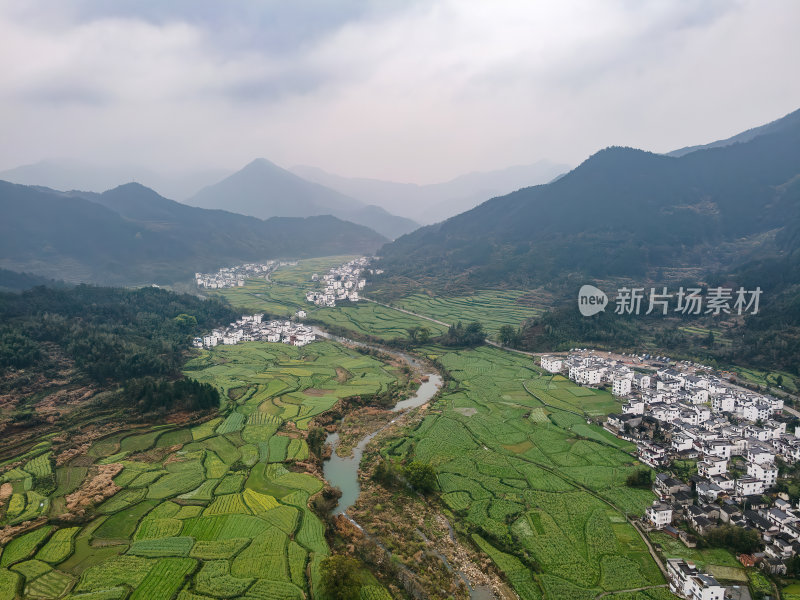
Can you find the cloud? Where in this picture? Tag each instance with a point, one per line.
(410, 91)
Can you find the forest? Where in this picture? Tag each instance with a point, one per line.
(111, 336)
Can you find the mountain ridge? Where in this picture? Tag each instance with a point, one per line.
(262, 189)
(431, 203)
(622, 212)
(132, 235)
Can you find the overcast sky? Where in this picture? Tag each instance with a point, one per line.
(408, 91)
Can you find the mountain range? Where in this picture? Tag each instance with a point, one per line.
(435, 202)
(263, 189)
(132, 235)
(623, 213)
(71, 174)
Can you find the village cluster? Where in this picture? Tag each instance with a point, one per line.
(340, 283)
(687, 411)
(253, 328)
(229, 277)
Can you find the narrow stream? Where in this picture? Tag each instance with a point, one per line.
(343, 472)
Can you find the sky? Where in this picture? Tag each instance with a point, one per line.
(413, 91)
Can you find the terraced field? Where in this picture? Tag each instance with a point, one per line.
(493, 308)
(210, 511)
(286, 298)
(532, 482)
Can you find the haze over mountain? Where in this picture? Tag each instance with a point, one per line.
(435, 202)
(70, 174)
(263, 189)
(623, 213)
(790, 120)
(132, 235)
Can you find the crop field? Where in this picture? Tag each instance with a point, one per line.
(277, 378)
(493, 308)
(717, 560)
(285, 294)
(204, 511)
(517, 460)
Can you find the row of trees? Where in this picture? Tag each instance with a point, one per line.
(148, 394)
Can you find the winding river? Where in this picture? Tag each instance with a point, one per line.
(343, 472)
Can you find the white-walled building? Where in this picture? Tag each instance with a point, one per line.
(621, 386)
(659, 515)
(686, 581)
(552, 364)
(766, 472)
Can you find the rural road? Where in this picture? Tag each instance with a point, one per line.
(432, 320)
(408, 312)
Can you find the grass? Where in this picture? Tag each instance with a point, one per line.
(493, 308)
(183, 515)
(365, 318)
(277, 376)
(703, 558)
(552, 483)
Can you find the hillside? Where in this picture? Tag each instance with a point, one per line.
(435, 202)
(622, 213)
(777, 126)
(132, 235)
(263, 190)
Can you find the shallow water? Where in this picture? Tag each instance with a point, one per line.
(343, 472)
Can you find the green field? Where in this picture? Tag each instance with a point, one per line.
(285, 294)
(533, 479)
(204, 511)
(491, 307)
(268, 382)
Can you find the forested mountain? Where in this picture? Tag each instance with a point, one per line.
(436, 202)
(263, 189)
(622, 213)
(84, 340)
(132, 235)
(790, 120)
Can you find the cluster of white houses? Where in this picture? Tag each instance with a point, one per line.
(685, 580)
(340, 283)
(253, 328)
(229, 277)
(688, 412)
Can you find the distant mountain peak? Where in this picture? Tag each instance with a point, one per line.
(263, 189)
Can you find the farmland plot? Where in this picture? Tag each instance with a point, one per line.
(548, 482)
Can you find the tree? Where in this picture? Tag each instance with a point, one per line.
(186, 322)
(423, 335)
(640, 478)
(421, 476)
(316, 439)
(736, 539)
(385, 473)
(340, 577)
(412, 333)
(509, 336)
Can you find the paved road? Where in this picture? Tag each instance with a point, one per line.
(432, 320)
(408, 312)
(639, 589)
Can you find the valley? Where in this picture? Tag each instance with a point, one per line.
(530, 495)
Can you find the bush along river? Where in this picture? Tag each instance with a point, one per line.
(342, 472)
